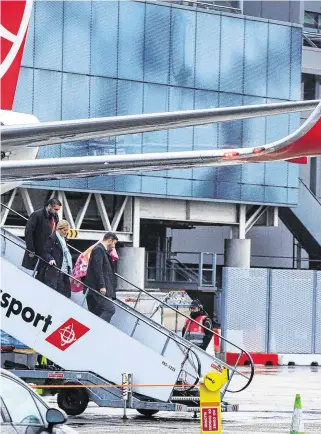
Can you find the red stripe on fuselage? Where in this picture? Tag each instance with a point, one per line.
(308, 145)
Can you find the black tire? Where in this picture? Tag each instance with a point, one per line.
(73, 401)
(147, 413)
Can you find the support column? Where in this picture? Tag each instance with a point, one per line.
(131, 266)
(237, 250)
(61, 211)
(313, 175)
(237, 253)
(136, 222)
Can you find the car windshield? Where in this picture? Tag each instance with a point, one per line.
(20, 403)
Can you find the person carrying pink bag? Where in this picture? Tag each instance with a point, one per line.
(80, 270)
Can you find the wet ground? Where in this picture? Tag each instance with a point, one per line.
(265, 407)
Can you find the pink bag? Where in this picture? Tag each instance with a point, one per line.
(114, 255)
(81, 266)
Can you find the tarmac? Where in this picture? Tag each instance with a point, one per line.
(265, 407)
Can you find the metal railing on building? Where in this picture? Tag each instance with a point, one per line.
(210, 5)
(197, 270)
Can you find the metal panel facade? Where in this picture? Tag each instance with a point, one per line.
(104, 58)
(317, 342)
(245, 308)
(276, 311)
(291, 311)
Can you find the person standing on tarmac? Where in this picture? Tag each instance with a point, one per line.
(101, 277)
(40, 226)
(195, 333)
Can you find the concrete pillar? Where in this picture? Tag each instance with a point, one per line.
(237, 253)
(131, 266)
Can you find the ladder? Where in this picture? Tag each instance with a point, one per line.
(78, 341)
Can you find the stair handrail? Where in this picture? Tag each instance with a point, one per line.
(118, 303)
(242, 351)
(310, 191)
(189, 273)
(179, 270)
(200, 270)
(189, 348)
(185, 267)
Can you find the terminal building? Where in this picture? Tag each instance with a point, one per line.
(178, 228)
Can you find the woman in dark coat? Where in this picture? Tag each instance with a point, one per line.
(57, 254)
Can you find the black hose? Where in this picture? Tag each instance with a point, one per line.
(199, 368)
(250, 377)
(242, 351)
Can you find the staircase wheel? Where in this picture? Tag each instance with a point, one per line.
(147, 413)
(73, 401)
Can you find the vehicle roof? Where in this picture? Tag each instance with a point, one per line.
(7, 373)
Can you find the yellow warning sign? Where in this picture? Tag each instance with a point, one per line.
(73, 233)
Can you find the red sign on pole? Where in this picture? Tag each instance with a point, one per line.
(210, 420)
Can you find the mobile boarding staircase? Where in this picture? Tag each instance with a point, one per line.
(164, 369)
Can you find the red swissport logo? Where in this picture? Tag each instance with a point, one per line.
(67, 334)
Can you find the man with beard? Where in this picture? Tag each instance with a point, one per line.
(41, 224)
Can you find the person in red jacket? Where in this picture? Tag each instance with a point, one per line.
(195, 333)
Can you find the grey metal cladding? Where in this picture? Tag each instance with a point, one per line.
(291, 311)
(245, 304)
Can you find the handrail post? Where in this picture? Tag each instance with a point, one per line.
(172, 272)
(200, 270)
(137, 300)
(147, 267)
(3, 246)
(36, 268)
(214, 259)
(158, 269)
(176, 320)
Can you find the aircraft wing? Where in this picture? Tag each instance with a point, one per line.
(305, 141)
(50, 133)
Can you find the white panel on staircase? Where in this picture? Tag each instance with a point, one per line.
(76, 335)
(126, 345)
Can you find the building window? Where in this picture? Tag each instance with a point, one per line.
(312, 22)
(310, 86)
(227, 6)
(318, 88)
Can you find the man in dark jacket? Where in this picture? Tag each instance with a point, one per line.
(197, 334)
(101, 277)
(39, 227)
